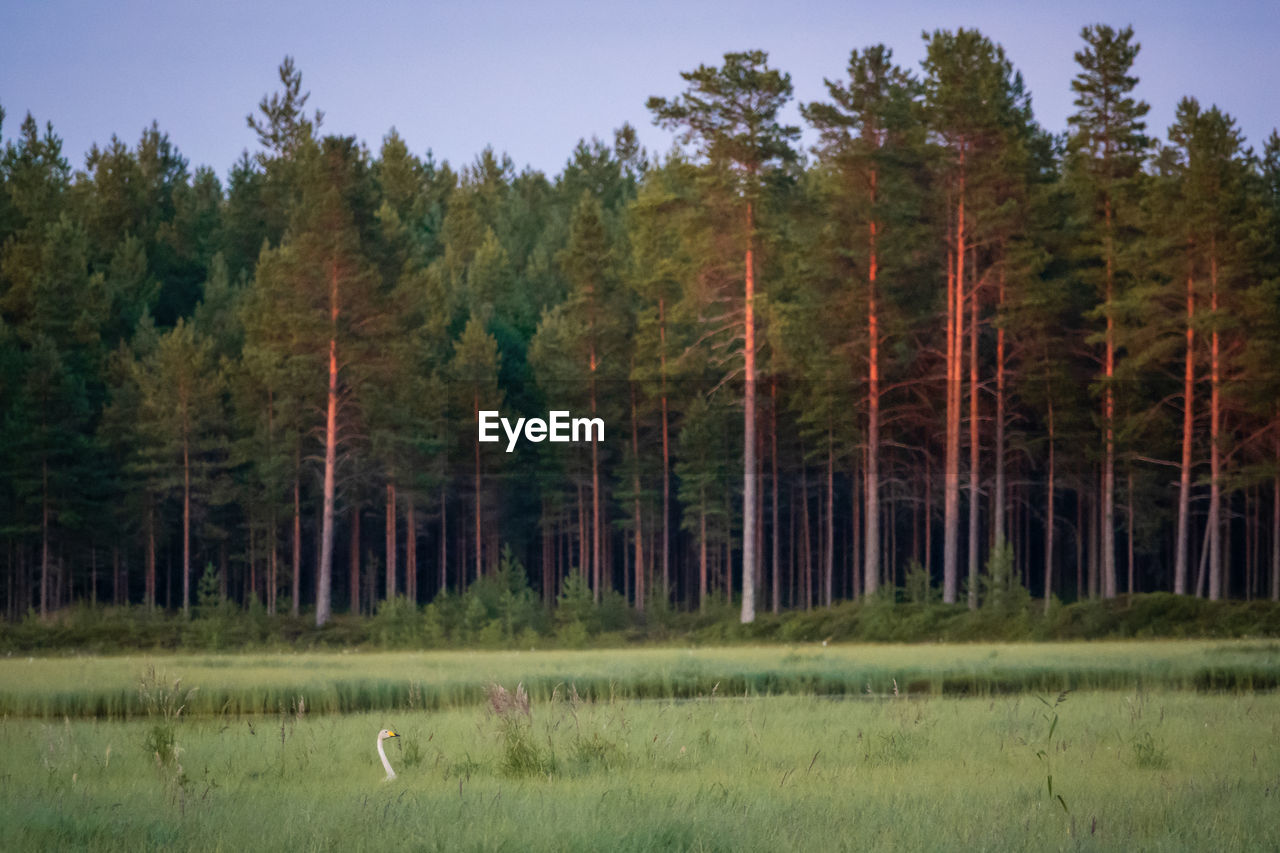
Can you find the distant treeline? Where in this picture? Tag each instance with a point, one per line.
(944, 350)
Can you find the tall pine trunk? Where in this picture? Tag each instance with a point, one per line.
(641, 571)
(479, 528)
(391, 540)
(749, 498)
(999, 535)
(666, 454)
(325, 573)
(410, 551)
(44, 538)
(1216, 584)
(354, 562)
(871, 517)
(1108, 565)
(444, 540)
(1275, 520)
(1049, 519)
(186, 522)
(151, 554)
(597, 570)
(973, 443)
(773, 483)
(951, 476)
(829, 549)
(1183, 535)
(702, 549)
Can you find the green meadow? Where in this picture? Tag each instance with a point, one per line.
(1134, 770)
(352, 681)
(1153, 745)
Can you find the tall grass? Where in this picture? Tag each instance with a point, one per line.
(781, 773)
(327, 683)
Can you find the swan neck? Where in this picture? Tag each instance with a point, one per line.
(391, 774)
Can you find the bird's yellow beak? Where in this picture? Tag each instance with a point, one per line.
(392, 734)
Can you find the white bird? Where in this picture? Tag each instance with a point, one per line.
(383, 735)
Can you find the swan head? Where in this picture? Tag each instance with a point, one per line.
(386, 733)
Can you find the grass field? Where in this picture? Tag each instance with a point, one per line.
(364, 681)
(1135, 770)
(650, 749)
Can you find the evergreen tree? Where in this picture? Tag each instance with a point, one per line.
(981, 116)
(326, 309)
(872, 140)
(1105, 154)
(731, 113)
(473, 373)
(180, 424)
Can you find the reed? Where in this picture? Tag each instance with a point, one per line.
(235, 685)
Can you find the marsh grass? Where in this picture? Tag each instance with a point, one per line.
(725, 773)
(1148, 753)
(329, 683)
(521, 754)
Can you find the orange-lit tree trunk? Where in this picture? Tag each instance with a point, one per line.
(749, 497)
(951, 474)
(325, 574)
(871, 516)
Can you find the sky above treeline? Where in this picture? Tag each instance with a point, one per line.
(532, 78)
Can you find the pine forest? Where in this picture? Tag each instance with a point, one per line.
(922, 344)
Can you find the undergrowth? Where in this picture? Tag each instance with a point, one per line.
(501, 612)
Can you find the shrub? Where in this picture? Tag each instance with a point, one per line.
(398, 624)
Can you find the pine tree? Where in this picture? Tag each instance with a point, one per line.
(179, 431)
(731, 113)
(323, 310)
(1210, 170)
(872, 140)
(473, 374)
(1105, 154)
(981, 114)
(661, 224)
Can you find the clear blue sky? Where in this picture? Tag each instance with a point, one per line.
(531, 78)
